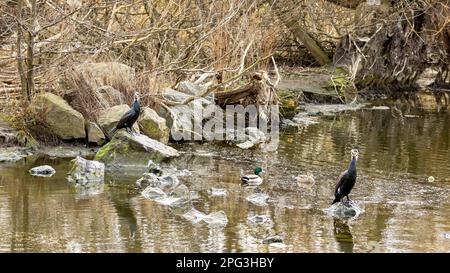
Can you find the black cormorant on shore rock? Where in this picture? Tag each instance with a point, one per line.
(130, 117)
(347, 179)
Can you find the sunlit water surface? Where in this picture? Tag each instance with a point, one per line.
(403, 212)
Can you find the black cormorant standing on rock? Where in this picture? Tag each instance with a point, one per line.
(130, 117)
(347, 179)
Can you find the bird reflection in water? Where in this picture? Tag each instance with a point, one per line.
(343, 235)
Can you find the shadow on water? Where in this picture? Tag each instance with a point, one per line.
(343, 235)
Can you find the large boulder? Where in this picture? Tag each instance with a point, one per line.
(191, 88)
(108, 118)
(106, 72)
(62, 120)
(127, 149)
(97, 76)
(108, 96)
(85, 171)
(94, 133)
(153, 126)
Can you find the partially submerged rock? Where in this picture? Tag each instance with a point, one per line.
(153, 126)
(254, 136)
(258, 199)
(107, 119)
(272, 240)
(301, 120)
(12, 154)
(68, 151)
(218, 218)
(259, 219)
(127, 149)
(85, 171)
(61, 119)
(330, 109)
(214, 219)
(176, 198)
(148, 180)
(247, 138)
(162, 182)
(217, 192)
(44, 171)
(345, 210)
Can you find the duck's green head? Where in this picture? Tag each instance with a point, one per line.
(258, 170)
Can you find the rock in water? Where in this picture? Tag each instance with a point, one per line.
(259, 219)
(85, 171)
(272, 240)
(11, 154)
(148, 180)
(153, 126)
(177, 198)
(217, 219)
(127, 149)
(162, 182)
(217, 192)
(345, 210)
(62, 120)
(214, 219)
(253, 136)
(44, 171)
(259, 199)
(154, 193)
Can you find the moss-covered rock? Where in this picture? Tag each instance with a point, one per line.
(61, 119)
(153, 126)
(127, 149)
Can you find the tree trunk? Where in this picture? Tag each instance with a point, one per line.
(302, 35)
(392, 46)
(30, 51)
(20, 62)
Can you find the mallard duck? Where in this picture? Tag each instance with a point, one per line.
(253, 179)
(305, 180)
(347, 179)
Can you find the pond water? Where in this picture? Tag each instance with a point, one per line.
(402, 210)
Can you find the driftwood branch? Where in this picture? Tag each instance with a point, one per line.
(217, 86)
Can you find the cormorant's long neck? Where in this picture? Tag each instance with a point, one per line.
(136, 106)
(352, 166)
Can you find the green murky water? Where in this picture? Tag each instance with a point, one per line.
(403, 212)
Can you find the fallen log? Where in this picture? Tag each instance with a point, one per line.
(259, 91)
